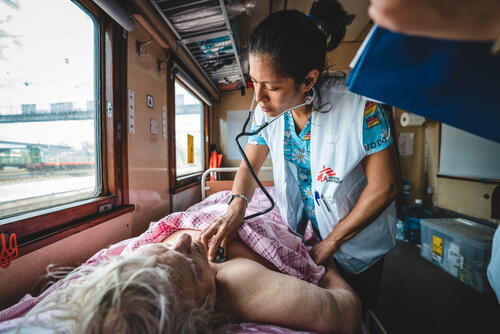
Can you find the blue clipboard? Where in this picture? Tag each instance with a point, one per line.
(454, 82)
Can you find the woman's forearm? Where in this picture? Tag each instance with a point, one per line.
(382, 187)
(371, 203)
(244, 183)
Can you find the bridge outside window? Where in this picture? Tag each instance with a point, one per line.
(49, 106)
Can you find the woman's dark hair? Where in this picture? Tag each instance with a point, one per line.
(297, 43)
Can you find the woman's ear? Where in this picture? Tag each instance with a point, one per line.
(310, 80)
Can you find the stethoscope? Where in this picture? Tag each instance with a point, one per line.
(219, 254)
(309, 100)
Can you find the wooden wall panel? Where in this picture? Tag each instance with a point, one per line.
(184, 199)
(340, 58)
(433, 156)
(147, 152)
(24, 275)
(232, 101)
(467, 197)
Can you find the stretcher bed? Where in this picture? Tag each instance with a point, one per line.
(293, 259)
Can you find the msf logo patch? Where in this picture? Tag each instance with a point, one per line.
(328, 175)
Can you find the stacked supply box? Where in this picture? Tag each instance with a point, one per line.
(459, 246)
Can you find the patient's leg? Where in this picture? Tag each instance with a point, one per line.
(248, 291)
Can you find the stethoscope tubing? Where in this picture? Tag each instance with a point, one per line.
(254, 132)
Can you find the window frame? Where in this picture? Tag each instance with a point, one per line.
(179, 184)
(42, 227)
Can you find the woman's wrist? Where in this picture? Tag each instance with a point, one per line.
(237, 206)
(333, 242)
(235, 196)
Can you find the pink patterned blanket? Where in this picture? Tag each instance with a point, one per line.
(267, 235)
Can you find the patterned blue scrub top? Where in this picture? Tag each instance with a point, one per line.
(376, 137)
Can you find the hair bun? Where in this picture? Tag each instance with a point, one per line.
(331, 18)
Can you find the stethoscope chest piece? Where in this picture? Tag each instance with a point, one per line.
(219, 255)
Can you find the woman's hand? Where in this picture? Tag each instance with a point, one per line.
(449, 19)
(323, 251)
(222, 229)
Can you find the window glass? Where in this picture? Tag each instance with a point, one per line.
(49, 105)
(189, 148)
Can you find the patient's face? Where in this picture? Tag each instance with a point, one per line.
(189, 260)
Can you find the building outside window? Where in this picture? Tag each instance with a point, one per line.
(49, 147)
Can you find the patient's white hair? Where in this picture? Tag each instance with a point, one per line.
(132, 294)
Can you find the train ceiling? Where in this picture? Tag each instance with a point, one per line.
(207, 30)
(203, 28)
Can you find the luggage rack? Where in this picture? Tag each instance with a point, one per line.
(203, 28)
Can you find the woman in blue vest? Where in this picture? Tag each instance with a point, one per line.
(333, 161)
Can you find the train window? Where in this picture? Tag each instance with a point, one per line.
(189, 132)
(48, 112)
(62, 88)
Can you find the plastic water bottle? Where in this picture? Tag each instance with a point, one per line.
(406, 191)
(412, 219)
(400, 230)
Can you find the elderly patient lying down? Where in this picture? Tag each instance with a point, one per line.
(171, 287)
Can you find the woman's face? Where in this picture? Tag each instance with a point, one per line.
(273, 92)
(189, 261)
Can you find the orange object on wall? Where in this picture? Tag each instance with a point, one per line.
(215, 161)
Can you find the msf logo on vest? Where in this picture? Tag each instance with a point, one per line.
(328, 175)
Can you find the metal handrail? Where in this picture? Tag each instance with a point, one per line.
(204, 187)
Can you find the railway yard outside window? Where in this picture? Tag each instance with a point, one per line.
(63, 92)
(49, 120)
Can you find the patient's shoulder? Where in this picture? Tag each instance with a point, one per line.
(236, 249)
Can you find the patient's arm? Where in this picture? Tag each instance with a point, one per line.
(249, 288)
(248, 291)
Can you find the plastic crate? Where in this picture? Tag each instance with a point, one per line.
(460, 247)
